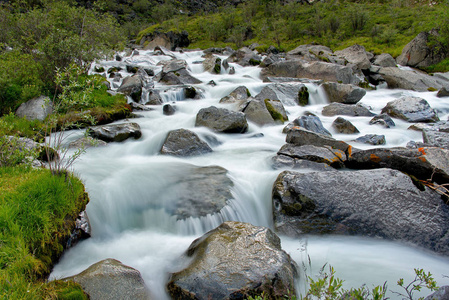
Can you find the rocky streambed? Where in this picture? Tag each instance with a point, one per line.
(314, 146)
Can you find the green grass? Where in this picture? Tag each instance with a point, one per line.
(37, 213)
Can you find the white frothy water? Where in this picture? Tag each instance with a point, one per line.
(129, 187)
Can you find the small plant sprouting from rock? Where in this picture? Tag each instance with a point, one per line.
(422, 279)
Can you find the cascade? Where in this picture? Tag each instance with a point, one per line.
(130, 187)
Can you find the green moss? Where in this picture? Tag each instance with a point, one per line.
(432, 89)
(303, 96)
(277, 116)
(254, 62)
(248, 93)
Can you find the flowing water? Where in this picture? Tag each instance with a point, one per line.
(129, 187)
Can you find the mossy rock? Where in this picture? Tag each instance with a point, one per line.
(303, 96)
(276, 115)
(190, 92)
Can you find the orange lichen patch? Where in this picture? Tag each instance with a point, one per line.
(339, 155)
(423, 159)
(349, 151)
(374, 158)
(421, 150)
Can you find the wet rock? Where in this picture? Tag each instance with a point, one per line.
(132, 86)
(335, 109)
(116, 132)
(212, 64)
(283, 161)
(265, 112)
(311, 123)
(411, 109)
(311, 70)
(35, 109)
(222, 120)
(174, 72)
(419, 53)
(87, 142)
(245, 57)
(230, 262)
(344, 126)
(327, 155)
(343, 93)
(290, 94)
(183, 142)
(110, 279)
(154, 98)
(138, 106)
(300, 137)
(423, 163)
(357, 55)
(231, 71)
(436, 138)
(132, 69)
(168, 110)
(397, 78)
(372, 139)
(379, 203)
(81, 231)
(383, 120)
(441, 294)
(239, 95)
(384, 60)
(443, 92)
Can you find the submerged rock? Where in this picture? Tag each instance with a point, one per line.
(379, 203)
(183, 142)
(110, 279)
(234, 261)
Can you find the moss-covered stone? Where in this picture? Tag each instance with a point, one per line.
(303, 96)
(190, 92)
(277, 116)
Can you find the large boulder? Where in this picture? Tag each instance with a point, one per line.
(110, 279)
(309, 122)
(116, 132)
(427, 163)
(290, 94)
(311, 52)
(384, 60)
(419, 53)
(301, 137)
(235, 261)
(238, 96)
(212, 64)
(311, 70)
(132, 86)
(411, 109)
(222, 120)
(343, 93)
(265, 112)
(174, 72)
(378, 203)
(353, 110)
(170, 40)
(35, 109)
(183, 142)
(357, 55)
(333, 157)
(397, 78)
(383, 120)
(436, 138)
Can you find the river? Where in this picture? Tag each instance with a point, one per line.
(129, 187)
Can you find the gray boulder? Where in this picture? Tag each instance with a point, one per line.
(357, 55)
(378, 203)
(436, 138)
(301, 137)
(290, 94)
(311, 70)
(239, 95)
(441, 294)
(443, 92)
(384, 60)
(132, 86)
(168, 110)
(270, 59)
(372, 139)
(86, 142)
(35, 109)
(411, 109)
(222, 120)
(397, 78)
(183, 142)
(245, 57)
(352, 110)
(310, 52)
(287, 162)
(174, 72)
(235, 261)
(418, 53)
(265, 112)
(343, 93)
(110, 279)
(311, 123)
(427, 163)
(116, 132)
(342, 125)
(333, 157)
(212, 64)
(383, 120)
(154, 98)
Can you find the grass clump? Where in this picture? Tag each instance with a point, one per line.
(37, 213)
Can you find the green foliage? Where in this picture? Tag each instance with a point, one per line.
(442, 66)
(13, 151)
(422, 279)
(35, 209)
(11, 124)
